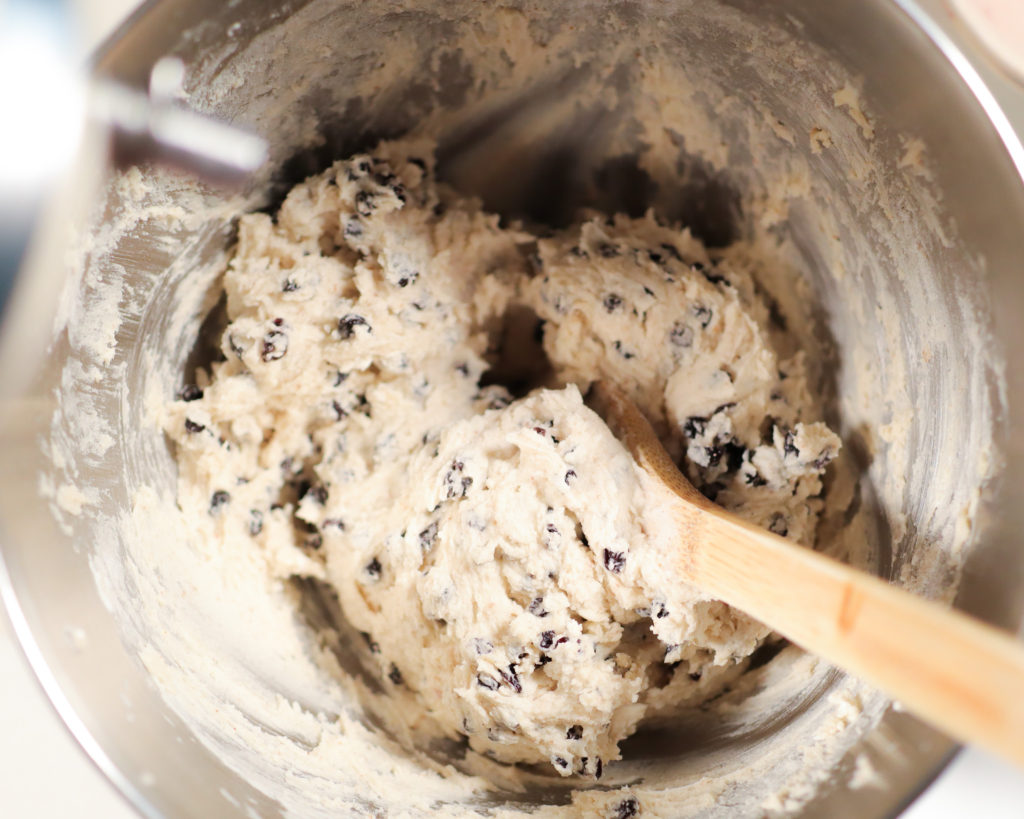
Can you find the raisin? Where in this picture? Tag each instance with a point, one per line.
(681, 335)
(626, 354)
(778, 525)
(754, 479)
(543, 660)
(366, 203)
(192, 426)
(547, 639)
(347, 325)
(453, 483)
(823, 460)
(313, 542)
(695, 426)
(511, 678)
(190, 392)
(703, 315)
(235, 347)
(714, 454)
(627, 808)
(255, 522)
(574, 732)
(561, 763)
(488, 682)
(275, 345)
(317, 493)
(218, 499)
(614, 561)
(373, 569)
(608, 251)
(536, 607)
(662, 611)
(672, 251)
(498, 402)
(428, 537)
(395, 675)
(788, 445)
(551, 529)
(612, 302)
(370, 642)
(540, 431)
(570, 476)
(339, 410)
(353, 229)
(714, 278)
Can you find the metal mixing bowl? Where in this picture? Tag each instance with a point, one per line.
(320, 79)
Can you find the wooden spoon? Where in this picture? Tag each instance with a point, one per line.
(961, 675)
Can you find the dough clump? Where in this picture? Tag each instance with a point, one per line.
(493, 551)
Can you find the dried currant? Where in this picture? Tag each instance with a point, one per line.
(614, 561)
(350, 323)
(274, 346)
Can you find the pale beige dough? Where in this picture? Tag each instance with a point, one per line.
(493, 552)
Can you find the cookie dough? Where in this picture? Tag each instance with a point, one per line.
(492, 549)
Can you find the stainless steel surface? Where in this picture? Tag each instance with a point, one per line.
(915, 77)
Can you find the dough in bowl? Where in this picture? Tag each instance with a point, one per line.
(494, 549)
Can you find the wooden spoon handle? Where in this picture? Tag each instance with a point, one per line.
(958, 673)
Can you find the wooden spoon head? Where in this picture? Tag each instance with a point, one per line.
(629, 425)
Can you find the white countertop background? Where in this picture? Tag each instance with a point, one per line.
(44, 774)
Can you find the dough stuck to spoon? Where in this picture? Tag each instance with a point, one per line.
(493, 551)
